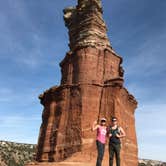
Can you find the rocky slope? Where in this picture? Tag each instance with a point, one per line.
(17, 154)
(143, 162)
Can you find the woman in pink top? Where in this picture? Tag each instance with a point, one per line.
(101, 139)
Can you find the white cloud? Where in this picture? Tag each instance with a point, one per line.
(13, 95)
(154, 151)
(150, 58)
(153, 114)
(20, 129)
(151, 133)
(17, 120)
(22, 43)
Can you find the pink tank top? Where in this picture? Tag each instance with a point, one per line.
(101, 134)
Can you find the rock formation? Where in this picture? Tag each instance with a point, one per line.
(91, 87)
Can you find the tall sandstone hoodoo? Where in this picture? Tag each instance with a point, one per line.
(91, 87)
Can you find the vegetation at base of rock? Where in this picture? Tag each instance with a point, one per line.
(16, 154)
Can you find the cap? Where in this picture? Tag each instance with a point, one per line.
(103, 120)
(114, 119)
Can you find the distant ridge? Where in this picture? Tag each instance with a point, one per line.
(146, 162)
(18, 154)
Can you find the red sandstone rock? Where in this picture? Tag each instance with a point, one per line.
(91, 87)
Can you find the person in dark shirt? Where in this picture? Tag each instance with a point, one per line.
(115, 133)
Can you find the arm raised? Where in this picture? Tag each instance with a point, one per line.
(95, 126)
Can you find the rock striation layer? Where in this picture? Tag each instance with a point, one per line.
(91, 88)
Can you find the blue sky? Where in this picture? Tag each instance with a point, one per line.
(33, 40)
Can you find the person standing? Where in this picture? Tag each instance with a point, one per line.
(101, 139)
(115, 134)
